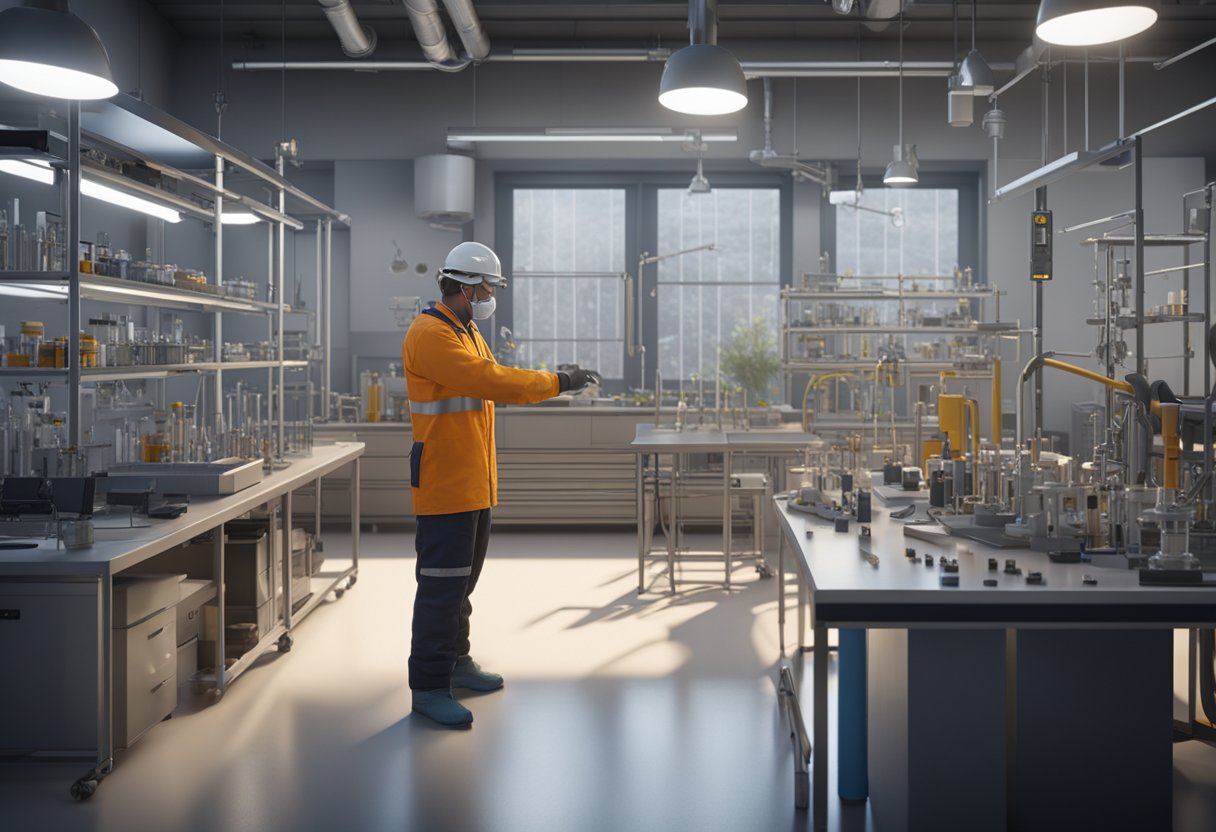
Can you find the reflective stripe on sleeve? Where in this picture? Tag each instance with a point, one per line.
(460, 404)
(455, 572)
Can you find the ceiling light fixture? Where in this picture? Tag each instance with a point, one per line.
(703, 79)
(590, 134)
(239, 218)
(47, 50)
(124, 200)
(903, 170)
(1093, 22)
(33, 170)
(974, 74)
(699, 184)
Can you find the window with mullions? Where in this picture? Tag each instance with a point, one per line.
(568, 252)
(909, 231)
(704, 295)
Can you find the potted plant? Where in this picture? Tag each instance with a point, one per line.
(750, 358)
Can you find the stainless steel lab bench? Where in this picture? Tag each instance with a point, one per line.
(42, 587)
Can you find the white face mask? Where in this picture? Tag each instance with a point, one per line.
(482, 309)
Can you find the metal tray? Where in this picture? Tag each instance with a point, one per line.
(203, 479)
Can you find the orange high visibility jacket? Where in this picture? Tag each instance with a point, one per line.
(453, 382)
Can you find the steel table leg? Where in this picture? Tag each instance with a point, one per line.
(356, 516)
(819, 742)
(673, 514)
(781, 592)
(285, 514)
(640, 511)
(217, 554)
(84, 786)
(801, 609)
(726, 536)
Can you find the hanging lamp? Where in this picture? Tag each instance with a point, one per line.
(903, 170)
(1093, 22)
(46, 50)
(703, 79)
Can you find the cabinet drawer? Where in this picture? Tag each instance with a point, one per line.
(144, 707)
(147, 653)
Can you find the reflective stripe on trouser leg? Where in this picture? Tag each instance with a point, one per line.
(445, 545)
(458, 572)
(481, 541)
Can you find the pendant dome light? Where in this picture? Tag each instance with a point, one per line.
(703, 79)
(1093, 22)
(903, 170)
(699, 184)
(47, 50)
(974, 74)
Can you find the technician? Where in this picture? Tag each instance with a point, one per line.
(453, 382)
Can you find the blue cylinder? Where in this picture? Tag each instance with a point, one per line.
(853, 782)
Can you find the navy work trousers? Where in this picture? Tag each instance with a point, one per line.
(451, 551)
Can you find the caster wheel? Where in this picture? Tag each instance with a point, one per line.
(107, 768)
(354, 579)
(285, 643)
(339, 592)
(83, 789)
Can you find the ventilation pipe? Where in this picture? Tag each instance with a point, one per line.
(468, 26)
(357, 40)
(433, 36)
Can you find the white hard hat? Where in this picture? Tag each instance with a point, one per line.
(472, 263)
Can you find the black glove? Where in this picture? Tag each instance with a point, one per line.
(573, 377)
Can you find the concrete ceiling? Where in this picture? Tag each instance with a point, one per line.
(642, 23)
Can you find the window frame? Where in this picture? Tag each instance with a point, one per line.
(641, 235)
(972, 215)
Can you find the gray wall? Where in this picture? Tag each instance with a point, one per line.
(371, 123)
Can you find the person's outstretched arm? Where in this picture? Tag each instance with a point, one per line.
(443, 359)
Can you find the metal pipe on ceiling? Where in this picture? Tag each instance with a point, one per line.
(357, 40)
(468, 27)
(432, 38)
(752, 69)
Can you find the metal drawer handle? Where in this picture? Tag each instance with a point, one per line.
(155, 634)
(158, 687)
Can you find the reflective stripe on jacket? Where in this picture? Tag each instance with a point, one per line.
(453, 382)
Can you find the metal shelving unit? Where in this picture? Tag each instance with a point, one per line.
(865, 338)
(1107, 276)
(126, 127)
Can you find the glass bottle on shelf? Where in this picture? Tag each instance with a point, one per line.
(4, 244)
(29, 344)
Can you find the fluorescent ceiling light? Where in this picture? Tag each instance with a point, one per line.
(703, 80)
(46, 50)
(1093, 22)
(40, 291)
(37, 171)
(239, 218)
(115, 197)
(589, 134)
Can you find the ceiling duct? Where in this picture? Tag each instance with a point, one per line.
(433, 36)
(468, 27)
(357, 40)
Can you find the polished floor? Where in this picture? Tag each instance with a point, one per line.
(619, 713)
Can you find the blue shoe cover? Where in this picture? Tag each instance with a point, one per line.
(442, 708)
(468, 674)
